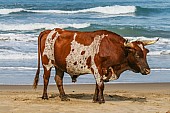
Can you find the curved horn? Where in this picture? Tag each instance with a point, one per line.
(149, 42)
(128, 44)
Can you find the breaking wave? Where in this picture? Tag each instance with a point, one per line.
(36, 26)
(111, 10)
(8, 11)
(17, 56)
(156, 53)
(18, 68)
(105, 10)
(115, 10)
(18, 37)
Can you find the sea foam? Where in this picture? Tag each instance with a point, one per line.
(8, 11)
(18, 56)
(116, 9)
(35, 26)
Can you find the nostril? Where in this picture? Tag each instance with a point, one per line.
(147, 71)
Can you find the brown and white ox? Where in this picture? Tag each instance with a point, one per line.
(102, 53)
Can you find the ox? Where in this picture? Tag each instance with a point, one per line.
(102, 53)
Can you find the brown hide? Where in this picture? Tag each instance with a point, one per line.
(112, 53)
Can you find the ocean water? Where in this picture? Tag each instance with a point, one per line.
(21, 21)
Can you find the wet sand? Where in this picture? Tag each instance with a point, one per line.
(120, 98)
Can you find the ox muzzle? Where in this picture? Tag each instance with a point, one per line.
(144, 67)
(145, 71)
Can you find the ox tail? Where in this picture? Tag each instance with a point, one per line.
(36, 79)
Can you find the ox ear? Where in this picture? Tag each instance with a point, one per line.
(149, 42)
(128, 44)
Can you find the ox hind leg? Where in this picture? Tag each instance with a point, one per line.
(59, 81)
(46, 77)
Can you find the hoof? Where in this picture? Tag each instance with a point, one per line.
(44, 97)
(97, 101)
(101, 102)
(64, 98)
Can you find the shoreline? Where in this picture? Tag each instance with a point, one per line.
(119, 97)
(141, 86)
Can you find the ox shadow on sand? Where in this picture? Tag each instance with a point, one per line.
(108, 97)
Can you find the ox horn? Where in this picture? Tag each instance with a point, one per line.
(149, 42)
(128, 44)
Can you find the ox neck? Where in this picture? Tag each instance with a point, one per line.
(121, 68)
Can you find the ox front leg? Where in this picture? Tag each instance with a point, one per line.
(59, 81)
(98, 96)
(46, 77)
(95, 96)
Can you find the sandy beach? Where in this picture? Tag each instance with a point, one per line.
(120, 98)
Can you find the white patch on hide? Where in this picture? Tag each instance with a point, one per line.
(76, 62)
(49, 65)
(141, 46)
(49, 48)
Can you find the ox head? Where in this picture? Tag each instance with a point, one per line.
(137, 56)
